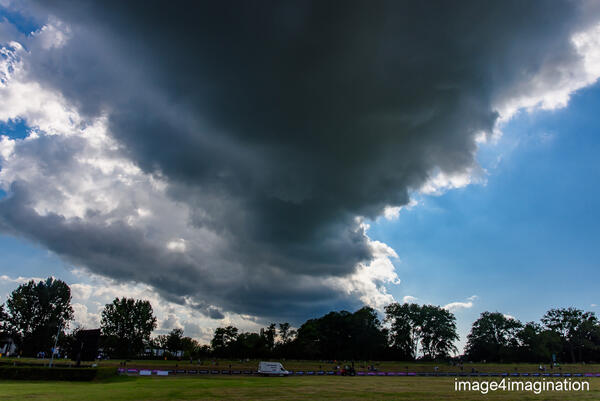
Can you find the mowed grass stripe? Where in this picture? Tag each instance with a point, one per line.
(261, 388)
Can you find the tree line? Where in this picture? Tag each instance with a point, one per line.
(564, 334)
(36, 312)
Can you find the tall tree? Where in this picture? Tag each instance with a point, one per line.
(328, 335)
(286, 334)
(438, 332)
(174, 340)
(404, 336)
(3, 319)
(36, 311)
(251, 345)
(493, 337)
(342, 335)
(368, 340)
(307, 343)
(537, 343)
(431, 327)
(223, 339)
(269, 334)
(190, 347)
(574, 326)
(127, 324)
(160, 342)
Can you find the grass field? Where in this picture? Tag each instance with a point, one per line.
(291, 388)
(261, 388)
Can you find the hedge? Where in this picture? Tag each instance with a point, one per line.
(40, 362)
(55, 373)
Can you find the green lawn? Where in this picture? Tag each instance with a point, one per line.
(260, 388)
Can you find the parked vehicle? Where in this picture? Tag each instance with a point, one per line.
(348, 371)
(272, 369)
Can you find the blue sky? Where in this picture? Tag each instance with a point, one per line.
(14, 129)
(525, 241)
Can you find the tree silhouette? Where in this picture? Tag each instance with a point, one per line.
(127, 324)
(35, 313)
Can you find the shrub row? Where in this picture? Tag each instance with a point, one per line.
(55, 373)
(40, 362)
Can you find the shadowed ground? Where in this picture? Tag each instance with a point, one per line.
(260, 388)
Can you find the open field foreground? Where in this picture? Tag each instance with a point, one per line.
(259, 388)
(308, 365)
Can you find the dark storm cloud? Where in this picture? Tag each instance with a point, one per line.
(279, 122)
(127, 254)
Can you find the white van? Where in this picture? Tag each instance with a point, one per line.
(272, 369)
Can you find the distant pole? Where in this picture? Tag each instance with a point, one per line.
(55, 344)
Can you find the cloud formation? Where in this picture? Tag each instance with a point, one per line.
(228, 154)
(90, 293)
(455, 306)
(409, 299)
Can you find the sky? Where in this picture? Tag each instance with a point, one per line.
(272, 161)
(522, 242)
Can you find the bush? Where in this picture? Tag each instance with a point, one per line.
(105, 373)
(39, 363)
(55, 373)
